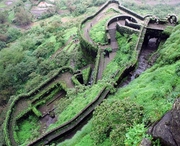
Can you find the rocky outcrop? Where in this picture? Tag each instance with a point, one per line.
(167, 129)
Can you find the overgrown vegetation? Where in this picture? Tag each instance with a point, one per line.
(81, 137)
(157, 8)
(28, 60)
(28, 57)
(112, 118)
(27, 129)
(126, 54)
(82, 96)
(86, 74)
(97, 32)
(155, 91)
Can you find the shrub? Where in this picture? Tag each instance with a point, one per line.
(178, 69)
(28, 129)
(3, 17)
(112, 124)
(13, 34)
(135, 134)
(22, 17)
(2, 45)
(97, 32)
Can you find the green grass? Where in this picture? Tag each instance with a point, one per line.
(171, 49)
(153, 90)
(81, 138)
(124, 56)
(83, 98)
(11, 16)
(69, 33)
(86, 73)
(97, 32)
(27, 129)
(2, 5)
(72, 48)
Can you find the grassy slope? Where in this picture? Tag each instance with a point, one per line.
(81, 98)
(155, 89)
(168, 66)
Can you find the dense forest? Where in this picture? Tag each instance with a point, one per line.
(34, 45)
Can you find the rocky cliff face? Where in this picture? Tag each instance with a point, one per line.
(167, 129)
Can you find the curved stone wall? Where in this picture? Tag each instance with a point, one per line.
(9, 121)
(92, 48)
(61, 130)
(131, 12)
(131, 25)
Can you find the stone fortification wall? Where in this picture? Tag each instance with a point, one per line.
(10, 119)
(132, 24)
(91, 48)
(124, 29)
(131, 12)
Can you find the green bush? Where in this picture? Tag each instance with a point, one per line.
(82, 97)
(3, 17)
(113, 123)
(97, 32)
(126, 54)
(135, 134)
(22, 16)
(27, 129)
(13, 34)
(2, 45)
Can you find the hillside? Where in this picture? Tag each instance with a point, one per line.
(45, 56)
(152, 94)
